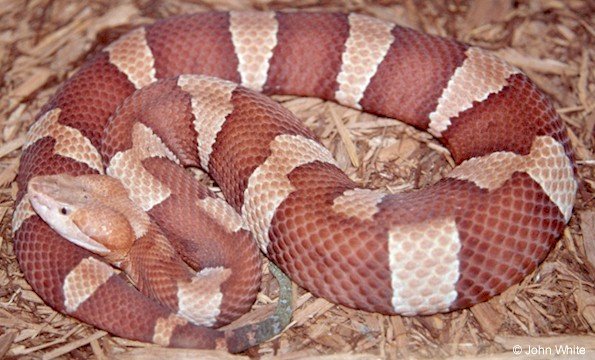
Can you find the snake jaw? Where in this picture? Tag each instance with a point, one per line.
(46, 200)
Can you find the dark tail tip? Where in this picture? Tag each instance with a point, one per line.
(247, 336)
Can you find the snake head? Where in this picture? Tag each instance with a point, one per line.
(91, 211)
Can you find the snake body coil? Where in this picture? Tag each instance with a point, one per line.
(184, 91)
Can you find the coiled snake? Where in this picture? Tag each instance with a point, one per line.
(184, 92)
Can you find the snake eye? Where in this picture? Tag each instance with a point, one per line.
(64, 211)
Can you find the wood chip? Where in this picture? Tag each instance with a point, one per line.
(588, 227)
(72, 345)
(6, 341)
(483, 12)
(583, 78)
(316, 308)
(36, 79)
(345, 137)
(489, 316)
(545, 66)
(586, 306)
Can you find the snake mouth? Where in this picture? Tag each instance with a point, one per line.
(44, 195)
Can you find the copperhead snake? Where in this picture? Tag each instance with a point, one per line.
(185, 92)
